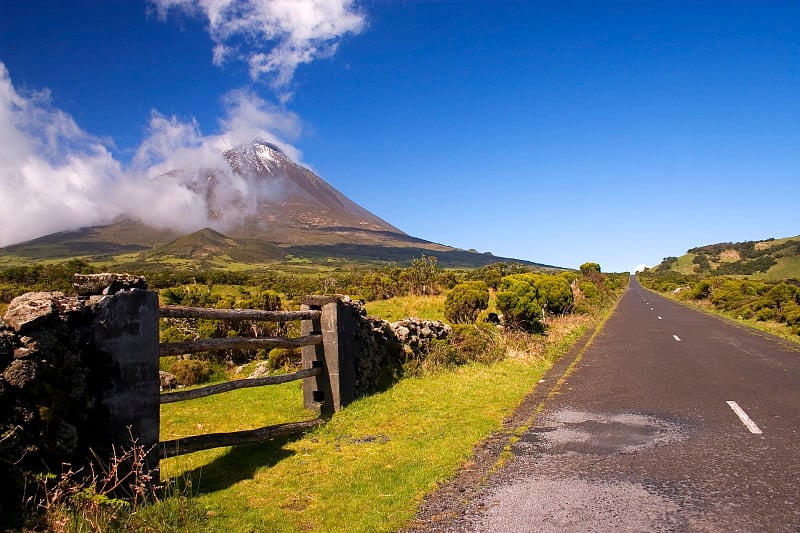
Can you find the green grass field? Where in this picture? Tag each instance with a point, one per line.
(393, 309)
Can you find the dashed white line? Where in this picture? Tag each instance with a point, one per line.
(676, 338)
(748, 423)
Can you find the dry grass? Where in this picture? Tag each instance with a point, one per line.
(729, 256)
(520, 346)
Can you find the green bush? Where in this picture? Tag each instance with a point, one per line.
(586, 268)
(283, 358)
(469, 343)
(192, 371)
(525, 298)
(465, 301)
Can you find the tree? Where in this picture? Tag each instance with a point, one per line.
(524, 299)
(422, 274)
(465, 301)
(588, 267)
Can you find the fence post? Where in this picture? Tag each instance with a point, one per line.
(335, 388)
(125, 327)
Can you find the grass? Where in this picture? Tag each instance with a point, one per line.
(393, 309)
(684, 265)
(369, 467)
(786, 268)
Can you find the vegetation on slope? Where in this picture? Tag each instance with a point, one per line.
(771, 259)
(135, 247)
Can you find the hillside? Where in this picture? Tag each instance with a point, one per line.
(770, 259)
(284, 214)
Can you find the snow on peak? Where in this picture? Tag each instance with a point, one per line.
(259, 143)
(258, 155)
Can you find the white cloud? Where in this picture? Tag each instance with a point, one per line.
(274, 37)
(54, 176)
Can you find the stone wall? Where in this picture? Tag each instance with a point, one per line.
(57, 370)
(383, 347)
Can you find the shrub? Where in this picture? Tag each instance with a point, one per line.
(587, 296)
(192, 371)
(586, 268)
(477, 342)
(791, 314)
(525, 298)
(468, 343)
(465, 301)
(701, 290)
(282, 358)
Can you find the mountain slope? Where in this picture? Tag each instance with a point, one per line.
(773, 259)
(302, 207)
(263, 208)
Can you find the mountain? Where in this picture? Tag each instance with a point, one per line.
(264, 209)
(301, 208)
(771, 259)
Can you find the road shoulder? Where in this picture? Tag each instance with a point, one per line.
(449, 502)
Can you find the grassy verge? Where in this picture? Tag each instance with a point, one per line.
(370, 466)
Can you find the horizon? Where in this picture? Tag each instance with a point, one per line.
(559, 134)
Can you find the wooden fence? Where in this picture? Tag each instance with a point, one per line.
(327, 343)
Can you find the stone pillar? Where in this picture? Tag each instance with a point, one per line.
(335, 388)
(125, 326)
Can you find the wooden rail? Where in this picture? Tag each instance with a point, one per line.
(182, 311)
(171, 397)
(196, 443)
(232, 343)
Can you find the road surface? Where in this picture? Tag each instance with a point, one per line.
(671, 420)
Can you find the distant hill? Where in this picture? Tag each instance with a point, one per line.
(771, 259)
(301, 219)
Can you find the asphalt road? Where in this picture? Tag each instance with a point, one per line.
(643, 435)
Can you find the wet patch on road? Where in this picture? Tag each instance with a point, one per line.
(569, 474)
(571, 431)
(555, 505)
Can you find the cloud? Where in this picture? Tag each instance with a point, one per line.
(54, 176)
(274, 37)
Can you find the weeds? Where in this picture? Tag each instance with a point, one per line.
(117, 496)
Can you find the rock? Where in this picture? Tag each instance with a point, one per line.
(68, 304)
(168, 381)
(106, 283)
(6, 346)
(23, 353)
(66, 438)
(21, 373)
(261, 370)
(402, 333)
(42, 340)
(31, 309)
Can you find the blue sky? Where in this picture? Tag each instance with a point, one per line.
(557, 132)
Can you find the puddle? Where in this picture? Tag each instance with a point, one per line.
(601, 433)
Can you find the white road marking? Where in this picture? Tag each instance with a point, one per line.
(676, 338)
(748, 423)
